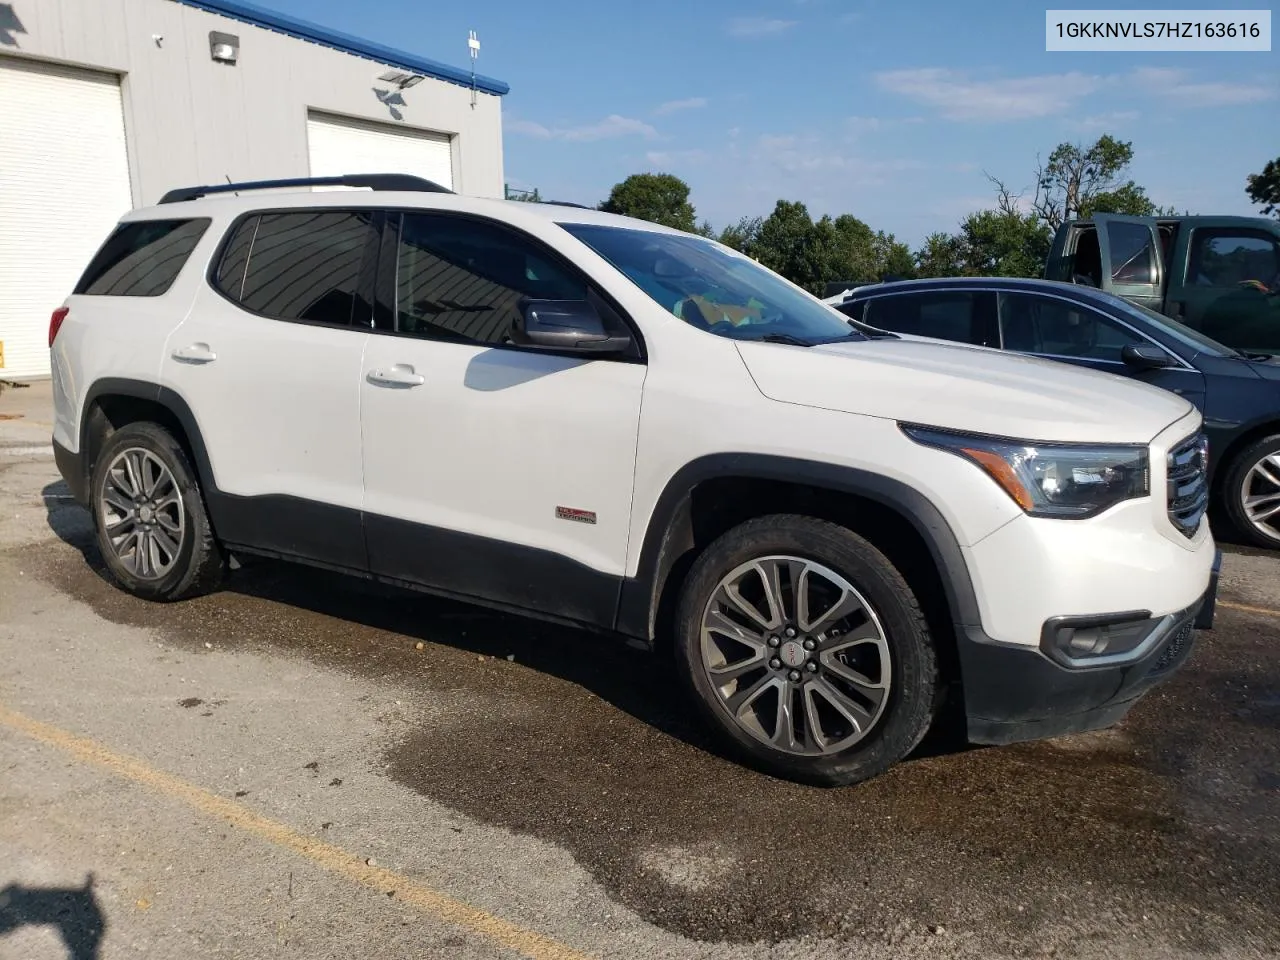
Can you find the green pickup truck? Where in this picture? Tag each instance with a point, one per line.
(1218, 275)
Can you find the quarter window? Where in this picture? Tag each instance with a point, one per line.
(1033, 324)
(142, 258)
(463, 280)
(943, 315)
(302, 266)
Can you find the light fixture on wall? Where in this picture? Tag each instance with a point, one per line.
(400, 79)
(224, 47)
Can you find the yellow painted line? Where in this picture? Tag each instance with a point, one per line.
(333, 859)
(1246, 608)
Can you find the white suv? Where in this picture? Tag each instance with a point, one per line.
(618, 426)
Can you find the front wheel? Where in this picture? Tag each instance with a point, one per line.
(1251, 493)
(807, 651)
(152, 528)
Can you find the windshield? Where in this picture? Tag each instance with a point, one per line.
(714, 288)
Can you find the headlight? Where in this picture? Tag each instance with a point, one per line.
(1064, 480)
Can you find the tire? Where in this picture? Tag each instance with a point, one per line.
(1240, 482)
(892, 722)
(179, 517)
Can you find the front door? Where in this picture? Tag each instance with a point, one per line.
(1228, 284)
(1065, 330)
(269, 361)
(493, 471)
(1132, 259)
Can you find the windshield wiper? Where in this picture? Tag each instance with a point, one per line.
(784, 338)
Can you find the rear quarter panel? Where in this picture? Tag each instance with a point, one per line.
(118, 338)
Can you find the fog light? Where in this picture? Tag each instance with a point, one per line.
(1093, 641)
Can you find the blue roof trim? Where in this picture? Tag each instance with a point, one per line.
(306, 30)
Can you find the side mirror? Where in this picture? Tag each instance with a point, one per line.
(1146, 356)
(565, 325)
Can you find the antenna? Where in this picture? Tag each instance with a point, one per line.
(473, 46)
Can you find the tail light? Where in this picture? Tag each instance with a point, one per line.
(55, 322)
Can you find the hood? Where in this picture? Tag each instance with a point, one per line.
(965, 388)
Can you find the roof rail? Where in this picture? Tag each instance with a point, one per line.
(374, 181)
(567, 203)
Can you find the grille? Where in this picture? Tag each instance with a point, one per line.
(1188, 492)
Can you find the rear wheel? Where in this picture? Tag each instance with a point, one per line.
(149, 516)
(1251, 491)
(807, 651)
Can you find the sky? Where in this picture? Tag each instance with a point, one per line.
(892, 110)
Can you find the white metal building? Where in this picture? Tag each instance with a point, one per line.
(106, 104)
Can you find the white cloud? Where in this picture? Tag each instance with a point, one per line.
(670, 158)
(1105, 121)
(611, 127)
(529, 129)
(672, 106)
(1176, 88)
(758, 26)
(958, 96)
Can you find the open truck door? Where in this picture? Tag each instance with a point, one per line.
(1122, 255)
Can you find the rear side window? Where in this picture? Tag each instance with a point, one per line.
(943, 315)
(142, 258)
(301, 265)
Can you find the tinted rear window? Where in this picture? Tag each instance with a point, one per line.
(302, 266)
(142, 258)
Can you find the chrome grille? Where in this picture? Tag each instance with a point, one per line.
(1188, 491)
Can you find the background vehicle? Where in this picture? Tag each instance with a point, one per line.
(1217, 275)
(609, 423)
(1238, 394)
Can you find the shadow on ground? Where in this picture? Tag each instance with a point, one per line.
(73, 912)
(1161, 831)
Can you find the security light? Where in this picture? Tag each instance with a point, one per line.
(401, 79)
(224, 47)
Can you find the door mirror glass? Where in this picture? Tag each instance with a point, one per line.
(1145, 356)
(565, 325)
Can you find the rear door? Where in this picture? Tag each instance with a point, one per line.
(962, 316)
(269, 361)
(1132, 258)
(1227, 282)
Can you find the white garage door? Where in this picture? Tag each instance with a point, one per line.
(64, 182)
(339, 145)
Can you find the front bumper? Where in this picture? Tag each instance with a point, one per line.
(1013, 693)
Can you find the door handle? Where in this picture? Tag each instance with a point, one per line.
(401, 375)
(195, 353)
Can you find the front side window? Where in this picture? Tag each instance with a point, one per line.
(1035, 324)
(141, 258)
(302, 265)
(461, 279)
(712, 288)
(1132, 254)
(1224, 258)
(942, 315)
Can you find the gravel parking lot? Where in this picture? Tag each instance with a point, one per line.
(307, 766)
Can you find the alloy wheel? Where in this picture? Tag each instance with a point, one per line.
(796, 655)
(1260, 496)
(141, 513)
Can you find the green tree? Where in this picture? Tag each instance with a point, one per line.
(1003, 243)
(790, 243)
(1264, 188)
(942, 255)
(657, 197)
(741, 236)
(1077, 177)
